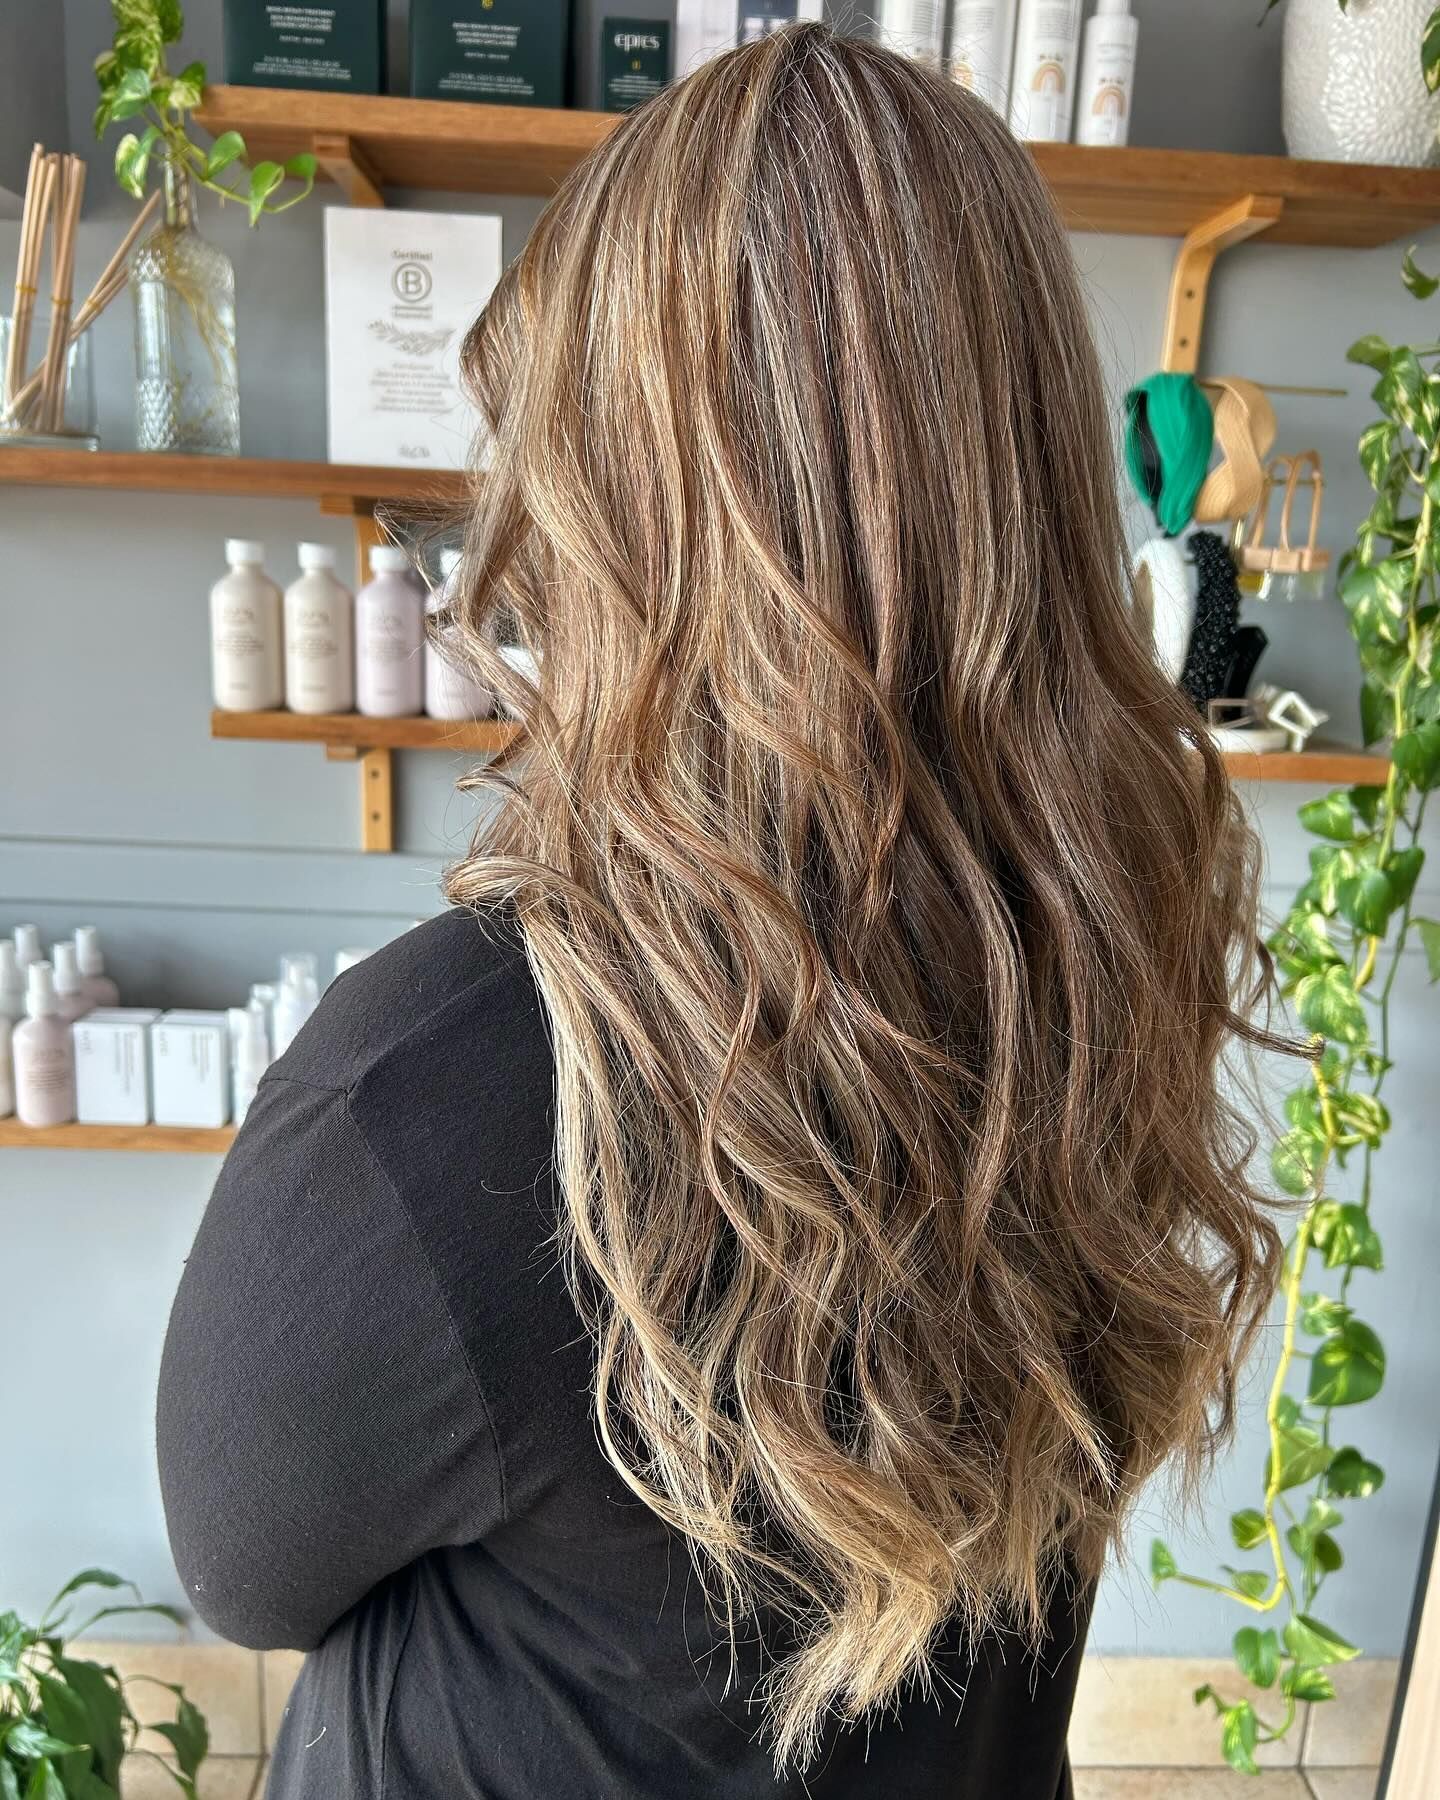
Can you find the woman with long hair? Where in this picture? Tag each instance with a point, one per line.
(691, 1320)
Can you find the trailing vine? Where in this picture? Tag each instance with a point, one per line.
(1338, 953)
(135, 83)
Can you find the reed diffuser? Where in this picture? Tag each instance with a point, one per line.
(40, 405)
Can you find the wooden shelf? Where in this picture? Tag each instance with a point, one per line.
(1328, 763)
(1334, 765)
(341, 486)
(461, 148)
(356, 732)
(201, 1140)
(445, 144)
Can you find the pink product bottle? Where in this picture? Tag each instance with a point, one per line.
(100, 990)
(450, 693)
(44, 1052)
(70, 998)
(389, 634)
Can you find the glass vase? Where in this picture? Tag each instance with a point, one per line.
(23, 424)
(187, 394)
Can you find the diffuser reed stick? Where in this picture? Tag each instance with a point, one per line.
(70, 193)
(39, 190)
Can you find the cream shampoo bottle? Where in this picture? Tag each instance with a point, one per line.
(980, 46)
(7, 1070)
(1107, 75)
(28, 947)
(245, 635)
(100, 990)
(44, 1051)
(912, 28)
(71, 1001)
(389, 637)
(319, 637)
(12, 984)
(449, 692)
(1042, 89)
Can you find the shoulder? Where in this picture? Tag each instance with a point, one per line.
(446, 992)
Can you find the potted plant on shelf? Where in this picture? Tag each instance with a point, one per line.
(1339, 952)
(66, 1725)
(1353, 89)
(187, 390)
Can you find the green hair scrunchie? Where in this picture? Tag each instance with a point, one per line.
(1169, 430)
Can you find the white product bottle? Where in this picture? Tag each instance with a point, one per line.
(28, 947)
(44, 1053)
(389, 637)
(12, 984)
(100, 990)
(295, 999)
(1042, 88)
(449, 692)
(249, 1055)
(70, 999)
(981, 47)
(912, 27)
(7, 1069)
(246, 649)
(347, 958)
(1107, 75)
(319, 637)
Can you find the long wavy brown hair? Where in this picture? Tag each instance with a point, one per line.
(890, 908)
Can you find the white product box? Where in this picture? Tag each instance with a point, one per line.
(705, 28)
(401, 290)
(190, 1068)
(112, 1065)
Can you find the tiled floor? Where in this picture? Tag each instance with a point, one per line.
(242, 1778)
(1223, 1784)
(221, 1778)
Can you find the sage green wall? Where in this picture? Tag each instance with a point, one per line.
(203, 861)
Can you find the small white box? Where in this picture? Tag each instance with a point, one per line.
(112, 1065)
(190, 1068)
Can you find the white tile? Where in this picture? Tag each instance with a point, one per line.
(221, 1778)
(1167, 1783)
(1349, 1731)
(1343, 1784)
(1139, 1712)
(222, 1680)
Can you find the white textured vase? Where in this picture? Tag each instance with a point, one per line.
(1353, 91)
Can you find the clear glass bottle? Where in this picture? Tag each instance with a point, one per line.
(187, 394)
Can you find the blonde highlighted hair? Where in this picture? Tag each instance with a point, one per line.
(887, 903)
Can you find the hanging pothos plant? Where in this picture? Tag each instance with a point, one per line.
(135, 83)
(1339, 953)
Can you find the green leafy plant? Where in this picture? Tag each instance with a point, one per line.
(135, 83)
(1338, 953)
(65, 1723)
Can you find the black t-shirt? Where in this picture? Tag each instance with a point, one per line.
(377, 1444)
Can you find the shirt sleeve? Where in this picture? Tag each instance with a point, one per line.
(318, 1425)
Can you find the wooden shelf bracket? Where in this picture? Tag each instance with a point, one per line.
(349, 168)
(377, 804)
(1185, 316)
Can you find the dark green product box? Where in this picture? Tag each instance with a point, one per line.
(505, 52)
(294, 44)
(634, 62)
